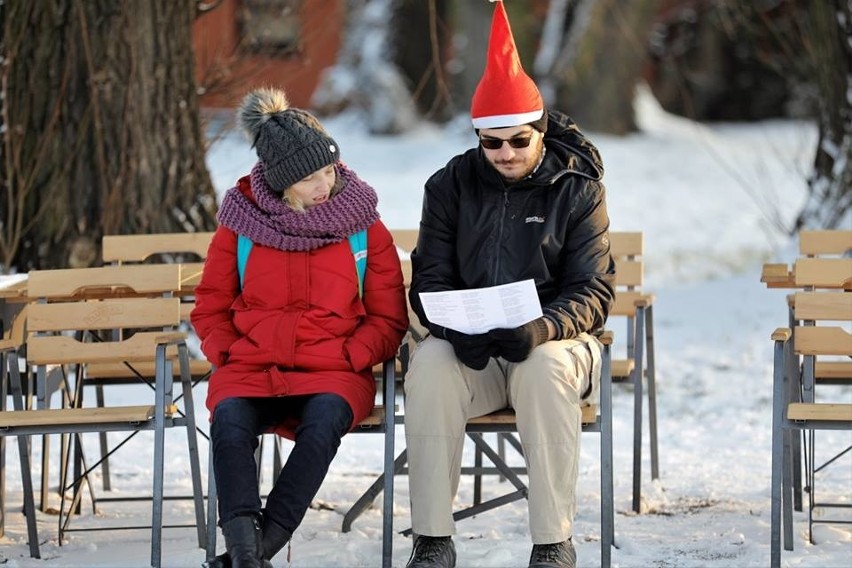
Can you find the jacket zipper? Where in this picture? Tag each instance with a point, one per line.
(494, 278)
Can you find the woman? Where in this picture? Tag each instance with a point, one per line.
(293, 320)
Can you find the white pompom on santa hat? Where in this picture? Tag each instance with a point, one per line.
(506, 96)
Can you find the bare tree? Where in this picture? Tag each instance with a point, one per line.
(100, 128)
(365, 76)
(829, 203)
(808, 44)
(600, 61)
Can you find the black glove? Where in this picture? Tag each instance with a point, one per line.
(472, 350)
(516, 344)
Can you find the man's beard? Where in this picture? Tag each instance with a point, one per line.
(529, 166)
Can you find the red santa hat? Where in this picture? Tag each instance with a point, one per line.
(505, 96)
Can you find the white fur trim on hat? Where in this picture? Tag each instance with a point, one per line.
(507, 120)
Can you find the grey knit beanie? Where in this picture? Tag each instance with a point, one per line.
(290, 142)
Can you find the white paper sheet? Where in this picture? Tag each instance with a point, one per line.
(481, 309)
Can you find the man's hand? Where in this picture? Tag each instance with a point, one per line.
(472, 350)
(516, 344)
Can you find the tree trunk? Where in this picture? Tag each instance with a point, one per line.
(601, 63)
(418, 36)
(102, 131)
(829, 203)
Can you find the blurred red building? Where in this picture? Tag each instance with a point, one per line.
(242, 44)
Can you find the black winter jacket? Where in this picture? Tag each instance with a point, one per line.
(477, 231)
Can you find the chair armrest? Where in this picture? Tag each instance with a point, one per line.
(644, 301)
(170, 338)
(782, 334)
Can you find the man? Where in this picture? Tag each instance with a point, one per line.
(527, 203)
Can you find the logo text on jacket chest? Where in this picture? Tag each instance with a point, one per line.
(534, 219)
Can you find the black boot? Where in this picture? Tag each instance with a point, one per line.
(274, 538)
(243, 541)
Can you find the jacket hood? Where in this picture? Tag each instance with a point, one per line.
(569, 152)
(574, 152)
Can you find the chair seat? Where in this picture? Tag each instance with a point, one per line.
(80, 416)
(622, 368)
(507, 416)
(119, 372)
(818, 411)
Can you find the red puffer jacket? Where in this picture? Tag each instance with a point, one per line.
(299, 326)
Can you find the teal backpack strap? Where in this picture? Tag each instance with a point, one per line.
(244, 245)
(358, 244)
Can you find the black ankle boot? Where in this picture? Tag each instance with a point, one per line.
(274, 538)
(243, 541)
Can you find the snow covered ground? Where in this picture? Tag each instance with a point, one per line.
(704, 196)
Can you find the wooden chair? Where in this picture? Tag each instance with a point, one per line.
(828, 274)
(185, 249)
(92, 302)
(631, 367)
(821, 334)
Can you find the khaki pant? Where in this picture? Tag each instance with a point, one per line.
(545, 390)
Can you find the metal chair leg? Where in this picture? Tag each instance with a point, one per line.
(607, 505)
(651, 374)
(638, 371)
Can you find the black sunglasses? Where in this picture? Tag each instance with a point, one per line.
(497, 143)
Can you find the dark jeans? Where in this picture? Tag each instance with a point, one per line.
(237, 423)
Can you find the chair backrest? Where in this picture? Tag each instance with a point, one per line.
(100, 299)
(120, 249)
(627, 249)
(405, 241)
(823, 273)
(163, 248)
(826, 242)
(823, 335)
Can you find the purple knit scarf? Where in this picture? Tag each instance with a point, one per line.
(269, 221)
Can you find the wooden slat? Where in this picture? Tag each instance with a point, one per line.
(506, 416)
(626, 301)
(628, 272)
(104, 314)
(824, 272)
(815, 243)
(65, 350)
(118, 370)
(406, 239)
(55, 418)
(621, 368)
(375, 418)
(142, 279)
(828, 306)
(406, 272)
(819, 411)
(822, 341)
(624, 243)
(137, 248)
(833, 370)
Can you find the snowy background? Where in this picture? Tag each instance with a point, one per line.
(706, 198)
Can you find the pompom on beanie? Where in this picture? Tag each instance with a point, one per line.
(290, 142)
